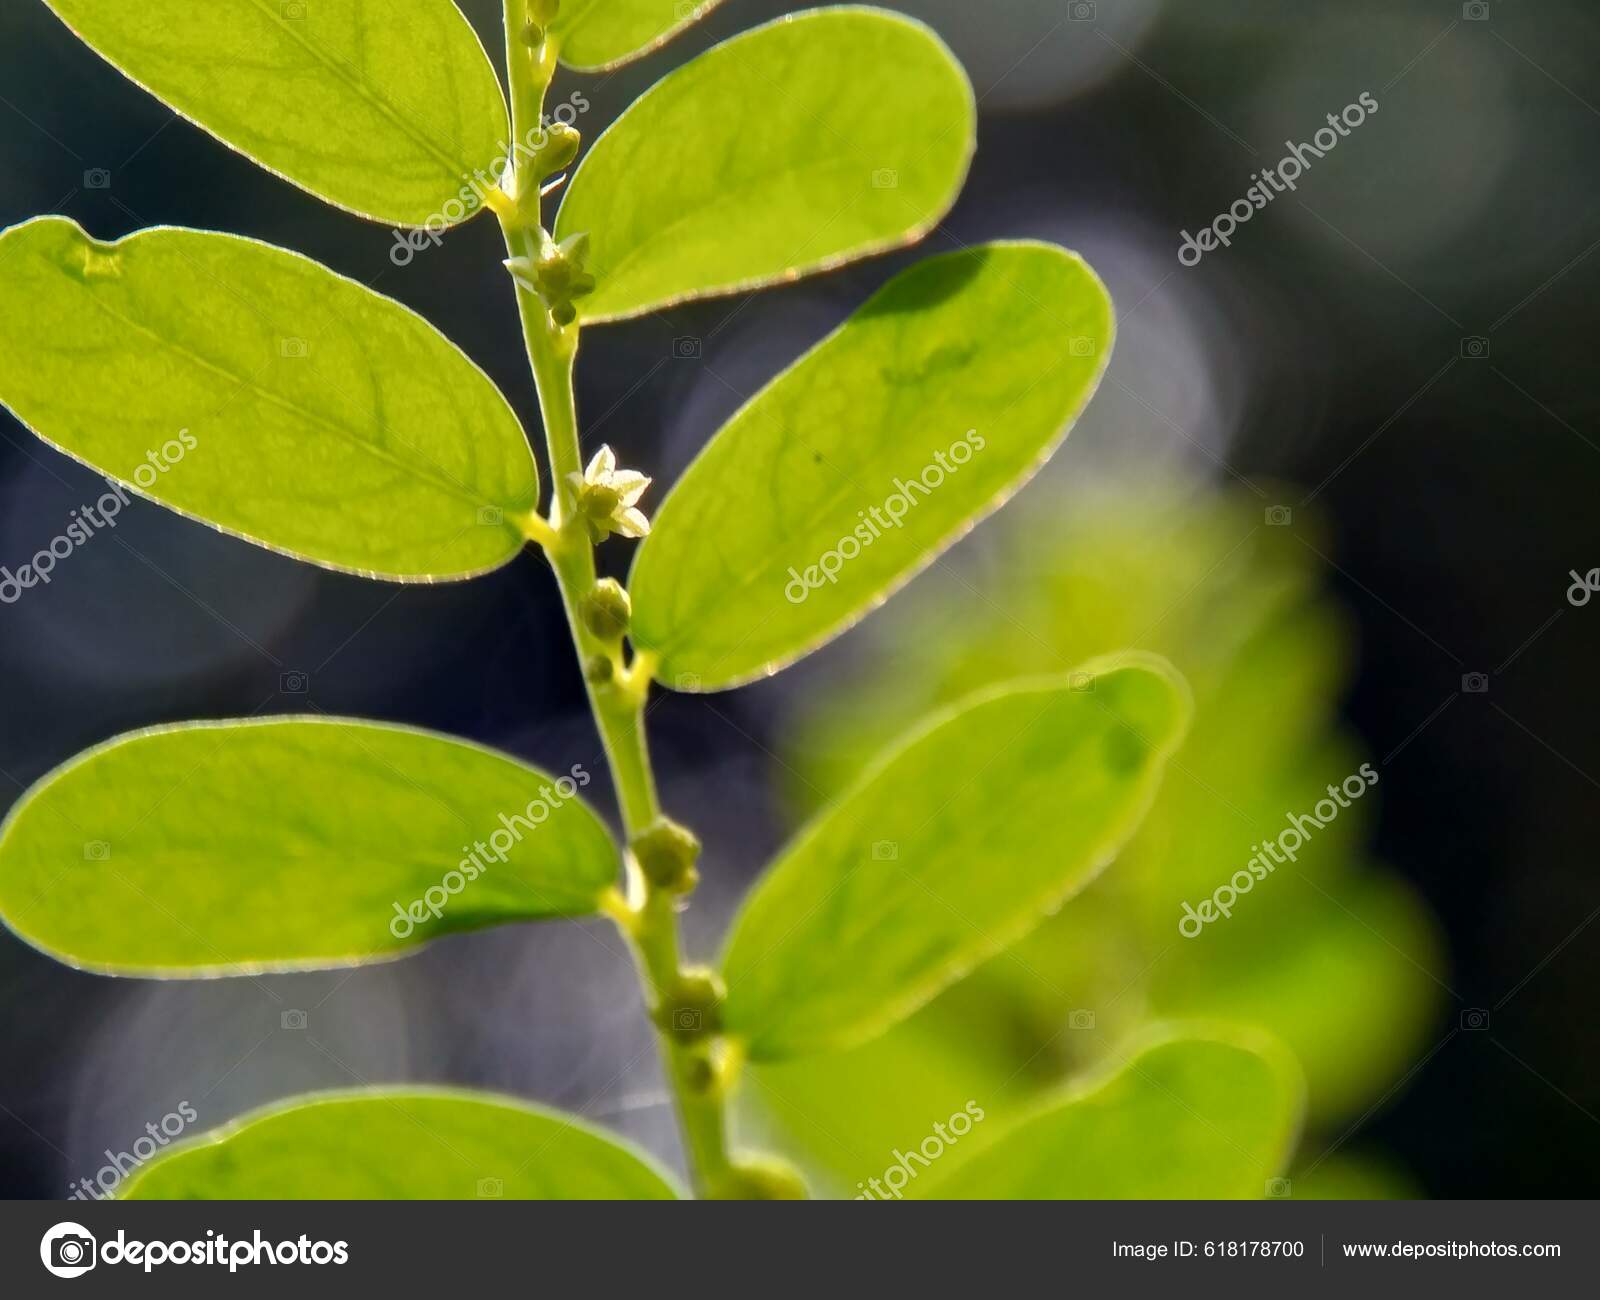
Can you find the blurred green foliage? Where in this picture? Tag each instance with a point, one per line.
(1333, 955)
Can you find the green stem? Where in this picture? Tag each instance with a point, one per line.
(617, 690)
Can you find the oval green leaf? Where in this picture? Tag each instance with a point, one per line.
(784, 151)
(402, 1144)
(381, 109)
(856, 467)
(950, 849)
(256, 390)
(227, 848)
(597, 35)
(1204, 1114)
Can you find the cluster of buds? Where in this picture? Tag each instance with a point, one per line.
(557, 274)
(667, 853)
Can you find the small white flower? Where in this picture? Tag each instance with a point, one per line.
(608, 497)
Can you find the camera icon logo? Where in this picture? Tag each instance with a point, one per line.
(1279, 1188)
(885, 851)
(294, 683)
(68, 1250)
(1474, 347)
(686, 682)
(1080, 1020)
(294, 349)
(1080, 347)
(1475, 11)
(688, 1020)
(97, 178)
(1081, 681)
(685, 10)
(1475, 683)
(1081, 11)
(686, 347)
(491, 516)
(1474, 1018)
(292, 1020)
(290, 10)
(97, 851)
(491, 1188)
(1280, 516)
(886, 178)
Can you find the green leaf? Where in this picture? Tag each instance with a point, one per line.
(402, 1144)
(256, 390)
(289, 844)
(1345, 971)
(1203, 1115)
(856, 467)
(786, 150)
(953, 846)
(596, 35)
(382, 109)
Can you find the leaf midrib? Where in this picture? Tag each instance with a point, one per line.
(443, 484)
(383, 106)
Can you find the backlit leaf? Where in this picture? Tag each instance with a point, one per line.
(1194, 1117)
(290, 843)
(819, 138)
(402, 1144)
(383, 109)
(596, 34)
(853, 469)
(254, 389)
(950, 849)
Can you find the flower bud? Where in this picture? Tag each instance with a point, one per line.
(666, 854)
(606, 609)
(599, 670)
(557, 273)
(692, 1007)
(561, 146)
(760, 1178)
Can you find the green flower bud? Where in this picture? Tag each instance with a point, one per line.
(599, 670)
(692, 1008)
(760, 1178)
(666, 854)
(561, 144)
(557, 273)
(543, 12)
(606, 609)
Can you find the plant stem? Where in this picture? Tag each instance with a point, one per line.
(617, 690)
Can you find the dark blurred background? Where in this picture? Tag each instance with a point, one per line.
(1400, 350)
